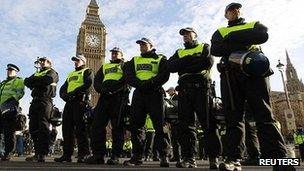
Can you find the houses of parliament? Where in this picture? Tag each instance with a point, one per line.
(91, 41)
(295, 88)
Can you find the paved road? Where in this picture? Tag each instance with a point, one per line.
(18, 163)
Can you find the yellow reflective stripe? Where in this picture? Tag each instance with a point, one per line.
(42, 73)
(197, 50)
(224, 31)
(185, 52)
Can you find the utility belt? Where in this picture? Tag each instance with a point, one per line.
(9, 108)
(42, 98)
(192, 85)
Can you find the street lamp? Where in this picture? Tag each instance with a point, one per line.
(280, 66)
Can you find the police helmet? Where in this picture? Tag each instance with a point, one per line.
(250, 63)
(56, 121)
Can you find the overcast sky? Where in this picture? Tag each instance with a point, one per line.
(31, 28)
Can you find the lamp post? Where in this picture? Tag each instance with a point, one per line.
(280, 66)
(289, 115)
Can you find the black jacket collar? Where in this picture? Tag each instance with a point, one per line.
(190, 45)
(236, 22)
(149, 54)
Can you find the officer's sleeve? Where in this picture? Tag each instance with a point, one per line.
(163, 75)
(98, 80)
(50, 77)
(130, 76)
(198, 63)
(254, 36)
(19, 89)
(63, 91)
(176, 64)
(219, 47)
(28, 82)
(88, 77)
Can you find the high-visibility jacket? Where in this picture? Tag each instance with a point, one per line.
(146, 68)
(112, 71)
(11, 88)
(225, 31)
(196, 50)
(75, 79)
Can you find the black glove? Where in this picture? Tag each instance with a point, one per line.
(70, 96)
(221, 66)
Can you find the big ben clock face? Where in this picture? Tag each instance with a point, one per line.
(92, 40)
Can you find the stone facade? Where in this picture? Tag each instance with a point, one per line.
(295, 89)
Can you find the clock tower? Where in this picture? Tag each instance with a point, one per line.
(91, 41)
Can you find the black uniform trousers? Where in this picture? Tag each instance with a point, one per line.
(8, 126)
(301, 150)
(193, 101)
(256, 92)
(73, 124)
(142, 104)
(174, 141)
(108, 108)
(251, 141)
(39, 114)
(149, 143)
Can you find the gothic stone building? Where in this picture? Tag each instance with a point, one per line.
(295, 89)
(91, 41)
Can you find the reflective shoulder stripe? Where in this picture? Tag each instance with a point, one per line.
(184, 52)
(224, 31)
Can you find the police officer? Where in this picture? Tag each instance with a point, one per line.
(11, 91)
(236, 87)
(114, 95)
(193, 64)
(149, 140)
(76, 93)
(43, 85)
(172, 117)
(299, 140)
(147, 73)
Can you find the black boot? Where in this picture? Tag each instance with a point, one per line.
(63, 158)
(164, 162)
(213, 163)
(6, 157)
(230, 165)
(32, 158)
(113, 160)
(283, 168)
(82, 158)
(40, 158)
(133, 161)
(187, 163)
(95, 159)
(250, 162)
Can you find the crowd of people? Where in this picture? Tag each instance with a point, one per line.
(156, 123)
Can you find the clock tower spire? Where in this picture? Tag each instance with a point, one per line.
(91, 40)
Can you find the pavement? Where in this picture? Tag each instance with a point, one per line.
(19, 163)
